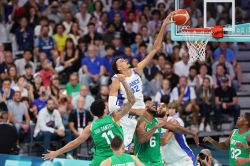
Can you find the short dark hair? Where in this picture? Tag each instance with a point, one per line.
(91, 23)
(97, 108)
(114, 66)
(143, 45)
(192, 68)
(28, 65)
(116, 143)
(109, 46)
(6, 79)
(27, 50)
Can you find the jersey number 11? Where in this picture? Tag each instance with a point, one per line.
(108, 136)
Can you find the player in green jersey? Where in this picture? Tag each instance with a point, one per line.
(102, 130)
(236, 142)
(147, 139)
(120, 158)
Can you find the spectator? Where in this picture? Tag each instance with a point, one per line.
(156, 20)
(24, 35)
(9, 136)
(117, 43)
(67, 22)
(192, 79)
(181, 68)
(116, 9)
(36, 85)
(6, 91)
(98, 9)
(203, 74)
(226, 102)
(50, 127)
(53, 13)
(43, 22)
(79, 118)
(223, 49)
(92, 68)
(103, 93)
(205, 100)
(69, 59)
(16, 112)
(128, 36)
(146, 37)
(185, 96)
(108, 59)
(170, 75)
(150, 71)
(75, 33)
(163, 96)
(83, 17)
(28, 73)
(91, 35)
(128, 54)
(135, 46)
(142, 52)
(12, 74)
(55, 87)
(73, 86)
(20, 63)
(25, 88)
(118, 23)
(64, 108)
(40, 103)
(161, 62)
(60, 38)
(84, 92)
(220, 73)
(109, 35)
(45, 42)
(8, 61)
(46, 72)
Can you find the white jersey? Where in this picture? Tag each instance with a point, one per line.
(177, 148)
(136, 85)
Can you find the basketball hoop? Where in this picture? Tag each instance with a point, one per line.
(197, 43)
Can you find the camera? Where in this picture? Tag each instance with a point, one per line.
(202, 156)
(43, 93)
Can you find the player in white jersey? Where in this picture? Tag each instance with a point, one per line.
(174, 149)
(133, 78)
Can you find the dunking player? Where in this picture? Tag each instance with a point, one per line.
(174, 148)
(133, 78)
(237, 141)
(147, 139)
(102, 130)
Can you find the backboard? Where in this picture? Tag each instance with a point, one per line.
(233, 15)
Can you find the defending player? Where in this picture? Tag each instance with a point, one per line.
(175, 150)
(102, 130)
(119, 157)
(133, 78)
(240, 135)
(148, 137)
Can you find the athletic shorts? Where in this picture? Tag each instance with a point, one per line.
(187, 161)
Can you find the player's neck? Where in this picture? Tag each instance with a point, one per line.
(127, 73)
(118, 152)
(243, 129)
(148, 117)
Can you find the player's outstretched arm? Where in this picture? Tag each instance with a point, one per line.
(126, 106)
(180, 129)
(70, 146)
(221, 145)
(114, 87)
(168, 135)
(137, 161)
(157, 45)
(142, 134)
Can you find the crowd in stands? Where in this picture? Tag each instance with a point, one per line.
(64, 55)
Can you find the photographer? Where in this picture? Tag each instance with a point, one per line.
(205, 158)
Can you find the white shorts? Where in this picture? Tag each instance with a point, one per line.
(128, 126)
(186, 161)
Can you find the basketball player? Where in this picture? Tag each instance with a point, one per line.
(133, 78)
(240, 135)
(174, 148)
(147, 139)
(102, 130)
(119, 157)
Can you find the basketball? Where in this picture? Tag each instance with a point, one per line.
(181, 17)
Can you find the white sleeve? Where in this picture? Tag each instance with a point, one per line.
(158, 97)
(174, 94)
(42, 122)
(112, 104)
(59, 122)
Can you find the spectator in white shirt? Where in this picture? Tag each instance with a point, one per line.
(83, 17)
(181, 68)
(50, 127)
(164, 94)
(20, 63)
(84, 92)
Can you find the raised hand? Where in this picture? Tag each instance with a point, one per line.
(168, 19)
(196, 139)
(207, 139)
(51, 155)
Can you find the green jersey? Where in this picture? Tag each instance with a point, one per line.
(149, 152)
(103, 131)
(238, 152)
(122, 160)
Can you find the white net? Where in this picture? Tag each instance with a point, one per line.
(196, 44)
